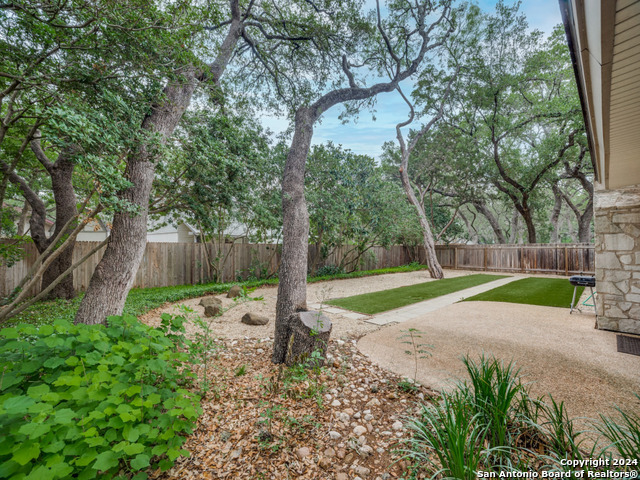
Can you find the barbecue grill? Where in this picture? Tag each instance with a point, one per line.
(582, 281)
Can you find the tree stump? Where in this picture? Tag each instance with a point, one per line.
(309, 332)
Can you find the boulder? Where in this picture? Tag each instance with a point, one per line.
(210, 300)
(212, 310)
(234, 291)
(254, 319)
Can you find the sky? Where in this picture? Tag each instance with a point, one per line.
(365, 135)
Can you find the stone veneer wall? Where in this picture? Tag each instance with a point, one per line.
(617, 234)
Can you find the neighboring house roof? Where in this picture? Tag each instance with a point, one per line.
(604, 39)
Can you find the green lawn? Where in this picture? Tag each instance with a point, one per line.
(549, 292)
(377, 302)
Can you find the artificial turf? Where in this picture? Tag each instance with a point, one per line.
(376, 302)
(548, 292)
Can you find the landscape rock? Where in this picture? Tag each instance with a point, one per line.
(210, 300)
(329, 452)
(303, 452)
(234, 291)
(397, 425)
(359, 430)
(254, 319)
(364, 471)
(374, 402)
(333, 435)
(212, 310)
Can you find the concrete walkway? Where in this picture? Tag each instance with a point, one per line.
(416, 310)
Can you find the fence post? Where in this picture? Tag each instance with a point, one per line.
(566, 262)
(522, 259)
(485, 258)
(455, 258)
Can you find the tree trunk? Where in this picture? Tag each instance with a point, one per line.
(292, 286)
(531, 228)
(24, 215)
(310, 332)
(435, 270)
(584, 225)
(61, 174)
(115, 274)
(473, 233)
(515, 225)
(493, 221)
(555, 214)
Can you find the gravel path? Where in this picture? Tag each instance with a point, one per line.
(228, 325)
(557, 352)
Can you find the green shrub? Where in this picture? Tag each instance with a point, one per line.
(90, 400)
(623, 434)
(448, 439)
(329, 270)
(493, 395)
(493, 424)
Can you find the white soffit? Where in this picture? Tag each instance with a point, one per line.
(592, 38)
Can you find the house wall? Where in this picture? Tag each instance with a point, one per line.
(185, 235)
(617, 226)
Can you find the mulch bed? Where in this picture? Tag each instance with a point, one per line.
(261, 421)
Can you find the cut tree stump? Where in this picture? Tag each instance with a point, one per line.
(309, 332)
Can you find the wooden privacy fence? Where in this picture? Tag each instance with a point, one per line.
(168, 264)
(559, 259)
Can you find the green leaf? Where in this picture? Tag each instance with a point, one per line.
(61, 470)
(105, 461)
(131, 433)
(19, 404)
(38, 390)
(53, 447)
(34, 430)
(64, 416)
(9, 333)
(10, 379)
(134, 448)
(26, 452)
(40, 473)
(141, 461)
(86, 458)
(46, 330)
(159, 449)
(173, 453)
(72, 361)
(53, 362)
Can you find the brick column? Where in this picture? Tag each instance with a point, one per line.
(617, 236)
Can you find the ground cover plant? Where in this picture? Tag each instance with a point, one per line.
(372, 303)
(84, 401)
(492, 424)
(548, 292)
(141, 300)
